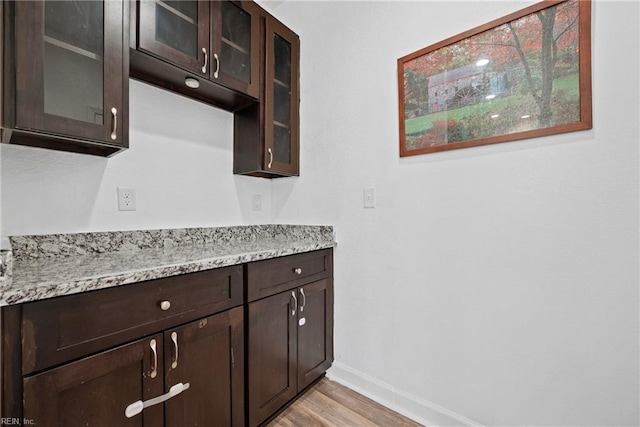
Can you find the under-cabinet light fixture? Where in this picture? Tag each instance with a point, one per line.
(192, 83)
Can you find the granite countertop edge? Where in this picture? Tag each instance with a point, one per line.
(39, 279)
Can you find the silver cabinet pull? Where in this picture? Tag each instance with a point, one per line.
(217, 70)
(206, 60)
(154, 352)
(174, 338)
(270, 157)
(136, 407)
(114, 113)
(295, 303)
(303, 300)
(297, 270)
(165, 305)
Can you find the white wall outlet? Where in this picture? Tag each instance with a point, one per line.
(369, 198)
(256, 202)
(126, 199)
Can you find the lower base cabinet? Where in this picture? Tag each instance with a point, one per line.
(289, 334)
(193, 372)
(224, 347)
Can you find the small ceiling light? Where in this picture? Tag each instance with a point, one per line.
(490, 96)
(192, 83)
(526, 116)
(482, 62)
(495, 116)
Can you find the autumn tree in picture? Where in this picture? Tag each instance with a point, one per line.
(520, 76)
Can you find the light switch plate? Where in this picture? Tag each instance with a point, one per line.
(369, 198)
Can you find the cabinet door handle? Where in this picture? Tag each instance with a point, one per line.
(270, 157)
(174, 339)
(114, 113)
(217, 70)
(294, 307)
(206, 60)
(136, 407)
(303, 300)
(154, 353)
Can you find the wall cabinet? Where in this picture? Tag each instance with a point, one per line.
(266, 135)
(214, 44)
(65, 75)
(290, 333)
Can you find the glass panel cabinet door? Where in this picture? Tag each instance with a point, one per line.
(281, 98)
(177, 31)
(236, 27)
(69, 69)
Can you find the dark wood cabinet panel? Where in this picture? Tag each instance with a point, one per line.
(315, 331)
(272, 355)
(96, 391)
(235, 43)
(176, 31)
(67, 75)
(266, 136)
(61, 329)
(208, 355)
(289, 334)
(276, 275)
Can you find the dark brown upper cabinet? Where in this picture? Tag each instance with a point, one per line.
(266, 138)
(207, 50)
(65, 76)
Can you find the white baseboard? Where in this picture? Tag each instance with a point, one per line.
(419, 410)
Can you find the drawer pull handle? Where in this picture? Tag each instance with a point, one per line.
(294, 306)
(174, 339)
(297, 270)
(154, 352)
(165, 305)
(303, 300)
(136, 407)
(206, 60)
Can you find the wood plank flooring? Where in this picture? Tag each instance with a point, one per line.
(330, 404)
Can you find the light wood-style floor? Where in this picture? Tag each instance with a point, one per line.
(330, 404)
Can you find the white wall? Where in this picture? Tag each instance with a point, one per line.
(180, 164)
(500, 282)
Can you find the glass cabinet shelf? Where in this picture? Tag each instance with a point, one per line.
(235, 46)
(176, 11)
(72, 48)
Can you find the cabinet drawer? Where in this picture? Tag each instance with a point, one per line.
(61, 329)
(269, 277)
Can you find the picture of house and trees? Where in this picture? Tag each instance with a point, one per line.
(519, 76)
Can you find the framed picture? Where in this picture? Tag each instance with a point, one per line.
(525, 75)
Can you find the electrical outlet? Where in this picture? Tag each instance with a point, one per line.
(126, 199)
(256, 202)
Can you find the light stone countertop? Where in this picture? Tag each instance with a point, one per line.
(55, 265)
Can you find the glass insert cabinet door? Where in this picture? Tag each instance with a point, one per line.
(281, 98)
(69, 69)
(177, 31)
(236, 32)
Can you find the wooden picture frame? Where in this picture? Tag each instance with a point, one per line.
(525, 75)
